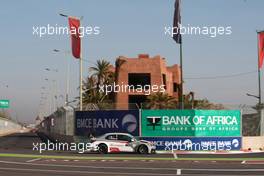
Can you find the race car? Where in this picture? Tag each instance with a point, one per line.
(123, 142)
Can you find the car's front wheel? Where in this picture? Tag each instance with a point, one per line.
(102, 148)
(142, 149)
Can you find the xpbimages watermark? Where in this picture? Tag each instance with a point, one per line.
(124, 88)
(210, 31)
(64, 146)
(83, 31)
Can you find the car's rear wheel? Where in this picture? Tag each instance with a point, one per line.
(142, 149)
(102, 148)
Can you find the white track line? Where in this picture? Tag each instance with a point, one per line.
(87, 166)
(32, 160)
(134, 168)
(80, 172)
(178, 172)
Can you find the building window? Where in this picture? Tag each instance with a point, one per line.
(164, 81)
(136, 101)
(142, 79)
(175, 87)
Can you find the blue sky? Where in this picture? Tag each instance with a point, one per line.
(128, 27)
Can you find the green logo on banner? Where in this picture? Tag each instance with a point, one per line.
(200, 123)
(4, 103)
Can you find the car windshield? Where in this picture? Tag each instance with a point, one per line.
(133, 138)
(122, 137)
(136, 138)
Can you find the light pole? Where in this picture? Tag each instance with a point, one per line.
(55, 86)
(42, 105)
(45, 103)
(49, 69)
(49, 94)
(54, 89)
(255, 96)
(67, 77)
(52, 95)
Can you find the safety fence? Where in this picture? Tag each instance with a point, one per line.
(58, 126)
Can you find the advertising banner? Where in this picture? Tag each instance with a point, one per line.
(191, 123)
(196, 143)
(103, 121)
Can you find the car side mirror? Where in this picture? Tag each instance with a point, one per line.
(132, 140)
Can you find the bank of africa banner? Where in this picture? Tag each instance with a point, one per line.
(106, 121)
(191, 123)
(196, 143)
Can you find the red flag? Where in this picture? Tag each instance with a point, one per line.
(176, 22)
(261, 48)
(74, 24)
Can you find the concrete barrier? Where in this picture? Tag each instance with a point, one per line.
(8, 127)
(253, 142)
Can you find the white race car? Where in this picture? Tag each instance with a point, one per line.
(123, 142)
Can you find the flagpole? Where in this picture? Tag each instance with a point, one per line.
(259, 75)
(178, 39)
(181, 66)
(81, 79)
(260, 110)
(80, 65)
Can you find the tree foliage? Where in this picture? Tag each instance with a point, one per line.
(101, 76)
(160, 100)
(5, 115)
(164, 101)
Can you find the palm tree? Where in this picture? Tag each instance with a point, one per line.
(119, 62)
(101, 71)
(90, 94)
(161, 100)
(101, 75)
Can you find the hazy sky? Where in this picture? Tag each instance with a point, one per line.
(128, 27)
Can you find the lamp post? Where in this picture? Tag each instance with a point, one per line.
(54, 89)
(42, 104)
(67, 77)
(43, 101)
(255, 96)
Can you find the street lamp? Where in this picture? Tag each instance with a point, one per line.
(49, 69)
(61, 14)
(67, 77)
(54, 89)
(251, 95)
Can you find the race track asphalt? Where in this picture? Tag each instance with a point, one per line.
(18, 159)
